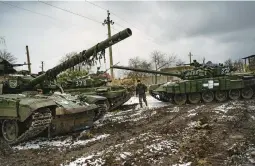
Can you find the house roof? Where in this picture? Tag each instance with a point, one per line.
(249, 56)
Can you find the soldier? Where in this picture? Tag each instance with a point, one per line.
(140, 91)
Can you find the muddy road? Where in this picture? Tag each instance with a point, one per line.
(211, 134)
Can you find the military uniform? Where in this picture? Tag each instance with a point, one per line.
(140, 91)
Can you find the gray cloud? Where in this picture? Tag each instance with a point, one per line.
(207, 18)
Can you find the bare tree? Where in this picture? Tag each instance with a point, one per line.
(238, 64)
(7, 56)
(228, 62)
(160, 60)
(137, 63)
(180, 62)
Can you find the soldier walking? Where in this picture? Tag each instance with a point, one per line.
(140, 92)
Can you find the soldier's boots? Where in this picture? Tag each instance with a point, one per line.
(141, 105)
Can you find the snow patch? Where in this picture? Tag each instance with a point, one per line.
(160, 146)
(185, 164)
(57, 142)
(192, 124)
(153, 145)
(228, 106)
(124, 155)
(193, 112)
(86, 161)
(152, 102)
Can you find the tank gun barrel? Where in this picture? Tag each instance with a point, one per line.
(84, 56)
(146, 71)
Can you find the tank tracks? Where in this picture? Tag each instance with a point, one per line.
(160, 97)
(40, 121)
(120, 100)
(103, 107)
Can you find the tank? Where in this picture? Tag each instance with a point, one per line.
(90, 87)
(29, 106)
(204, 83)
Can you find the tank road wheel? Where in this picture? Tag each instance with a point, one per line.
(102, 110)
(221, 95)
(10, 130)
(247, 93)
(234, 94)
(180, 99)
(207, 96)
(194, 98)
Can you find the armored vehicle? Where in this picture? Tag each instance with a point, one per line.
(203, 83)
(91, 86)
(29, 106)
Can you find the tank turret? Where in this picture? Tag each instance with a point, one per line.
(96, 85)
(89, 80)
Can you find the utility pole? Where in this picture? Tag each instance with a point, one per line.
(42, 66)
(2, 41)
(190, 57)
(108, 21)
(204, 60)
(28, 60)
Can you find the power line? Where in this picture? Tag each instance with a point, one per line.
(70, 12)
(53, 18)
(96, 5)
(119, 25)
(124, 21)
(15, 6)
(111, 13)
(28, 10)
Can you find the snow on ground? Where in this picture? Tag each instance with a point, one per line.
(193, 112)
(135, 114)
(57, 142)
(224, 108)
(152, 102)
(150, 143)
(185, 164)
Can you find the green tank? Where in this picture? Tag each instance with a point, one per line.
(203, 83)
(92, 86)
(29, 106)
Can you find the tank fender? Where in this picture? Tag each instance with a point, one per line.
(27, 106)
(92, 98)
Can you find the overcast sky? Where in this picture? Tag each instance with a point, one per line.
(214, 30)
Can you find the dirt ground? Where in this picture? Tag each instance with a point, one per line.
(205, 134)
